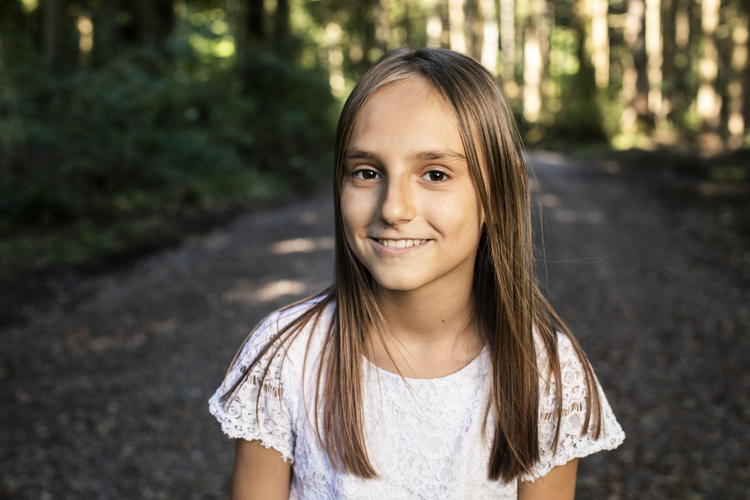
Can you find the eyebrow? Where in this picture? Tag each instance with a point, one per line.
(438, 154)
(360, 154)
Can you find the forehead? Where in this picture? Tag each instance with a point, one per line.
(407, 114)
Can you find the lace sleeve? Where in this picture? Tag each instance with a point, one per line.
(268, 418)
(571, 443)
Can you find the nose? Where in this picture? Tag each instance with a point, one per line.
(398, 201)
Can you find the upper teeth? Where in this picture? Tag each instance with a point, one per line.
(400, 243)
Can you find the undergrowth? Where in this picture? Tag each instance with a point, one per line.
(107, 162)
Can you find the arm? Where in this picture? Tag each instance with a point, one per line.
(558, 484)
(259, 473)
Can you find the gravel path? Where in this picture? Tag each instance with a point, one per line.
(104, 391)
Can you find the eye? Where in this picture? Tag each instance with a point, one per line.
(435, 176)
(366, 174)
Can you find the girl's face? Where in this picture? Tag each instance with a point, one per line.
(409, 205)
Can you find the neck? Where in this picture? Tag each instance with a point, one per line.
(428, 333)
(425, 315)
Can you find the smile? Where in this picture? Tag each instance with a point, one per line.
(399, 243)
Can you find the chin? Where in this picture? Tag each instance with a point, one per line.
(397, 284)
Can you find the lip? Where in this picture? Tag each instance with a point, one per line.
(376, 242)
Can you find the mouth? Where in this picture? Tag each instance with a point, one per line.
(402, 243)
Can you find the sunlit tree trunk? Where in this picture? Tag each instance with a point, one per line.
(600, 42)
(535, 36)
(634, 81)
(654, 56)
(738, 85)
(490, 36)
(508, 43)
(709, 100)
(532, 75)
(435, 26)
(456, 25)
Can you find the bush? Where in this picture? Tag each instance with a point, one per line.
(142, 140)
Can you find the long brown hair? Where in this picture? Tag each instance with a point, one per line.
(508, 300)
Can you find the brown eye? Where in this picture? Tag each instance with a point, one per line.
(367, 174)
(435, 176)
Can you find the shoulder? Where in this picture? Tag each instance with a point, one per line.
(287, 334)
(276, 347)
(566, 424)
(259, 398)
(572, 380)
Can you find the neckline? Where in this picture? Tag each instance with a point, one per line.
(461, 371)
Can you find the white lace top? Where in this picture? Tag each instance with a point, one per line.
(424, 436)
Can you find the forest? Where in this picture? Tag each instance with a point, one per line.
(126, 124)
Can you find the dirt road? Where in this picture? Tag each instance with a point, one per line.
(104, 391)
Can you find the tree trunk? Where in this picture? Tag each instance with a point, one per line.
(736, 122)
(281, 21)
(683, 93)
(434, 27)
(162, 21)
(54, 34)
(532, 75)
(508, 43)
(445, 36)
(12, 35)
(106, 32)
(654, 57)
(473, 29)
(669, 46)
(366, 29)
(709, 100)
(456, 25)
(600, 42)
(535, 44)
(490, 36)
(634, 92)
(254, 23)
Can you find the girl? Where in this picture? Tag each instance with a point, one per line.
(433, 367)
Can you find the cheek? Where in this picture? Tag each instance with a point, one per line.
(462, 214)
(352, 216)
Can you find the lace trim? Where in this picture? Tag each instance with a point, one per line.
(425, 440)
(262, 412)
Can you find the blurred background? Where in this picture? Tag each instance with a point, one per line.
(165, 173)
(124, 123)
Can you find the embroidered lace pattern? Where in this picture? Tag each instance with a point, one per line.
(424, 436)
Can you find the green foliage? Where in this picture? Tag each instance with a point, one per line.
(103, 159)
(580, 120)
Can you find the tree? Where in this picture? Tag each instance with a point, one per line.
(634, 92)
(491, 35)
(456, 25)
(709, 100)
(738, 86)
